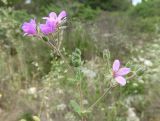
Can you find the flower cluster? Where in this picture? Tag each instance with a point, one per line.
(52, 23)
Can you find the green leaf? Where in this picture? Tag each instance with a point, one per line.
(36, 118)
(75, 106)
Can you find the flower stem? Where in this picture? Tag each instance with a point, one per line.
(99, 99)
(81, 99)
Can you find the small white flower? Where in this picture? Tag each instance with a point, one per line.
(148, 63)
(61, 106)
(59, 91)
(70, 117)
(88, 73)
(28, 1)
(85, 102)
(141, 59)
(32, 90)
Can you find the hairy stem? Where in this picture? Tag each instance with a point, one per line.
(100, 98)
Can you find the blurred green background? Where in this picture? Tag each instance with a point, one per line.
(30, 75)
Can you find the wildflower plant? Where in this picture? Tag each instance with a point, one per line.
(50, 32)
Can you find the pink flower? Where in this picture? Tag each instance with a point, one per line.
(48, 27)
(58, 19)
(118, 72)
(29, 28)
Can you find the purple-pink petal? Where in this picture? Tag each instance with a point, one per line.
(48, 27)
(116, 65)
(62, 15)
(54, 18)
(45, 29)
(123, 71)
(32, 21)
(121, 80)
(29, 28)
(53, 15)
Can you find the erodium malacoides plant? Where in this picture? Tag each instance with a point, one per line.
(50, 31)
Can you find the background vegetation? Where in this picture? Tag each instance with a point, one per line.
(32, 79)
